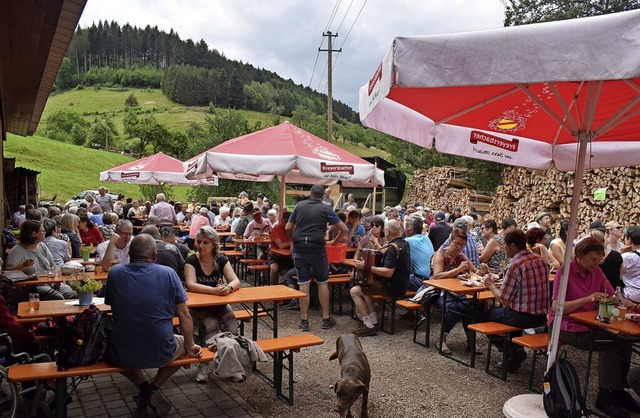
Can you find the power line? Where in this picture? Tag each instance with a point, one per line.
(344, 17)
(315, 64)
(333, 14)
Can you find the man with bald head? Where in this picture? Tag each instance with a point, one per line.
(392, 278)
(144, 298)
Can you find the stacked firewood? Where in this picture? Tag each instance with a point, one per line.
(449, 186)
(525, 193)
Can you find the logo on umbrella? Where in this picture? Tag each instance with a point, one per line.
(334, 168)
(129, 175)
(496, 141)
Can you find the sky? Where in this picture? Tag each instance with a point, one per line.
(284, 35)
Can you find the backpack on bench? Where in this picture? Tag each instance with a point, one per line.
(562, 397)
(85, 340)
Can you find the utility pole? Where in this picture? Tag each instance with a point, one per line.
(329, 83)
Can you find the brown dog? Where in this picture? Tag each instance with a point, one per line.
(356, 375)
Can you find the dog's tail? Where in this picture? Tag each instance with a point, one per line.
(333, 356)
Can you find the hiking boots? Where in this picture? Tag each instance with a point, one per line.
(203, 373)
(366, 331)
(159, 403)
(294, 304)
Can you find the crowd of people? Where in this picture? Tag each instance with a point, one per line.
(416, 244)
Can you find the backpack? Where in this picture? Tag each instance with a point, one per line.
(562, 397)
(84, 340)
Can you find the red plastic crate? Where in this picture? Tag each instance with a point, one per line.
(336, 253)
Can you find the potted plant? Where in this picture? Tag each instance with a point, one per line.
(85, 288)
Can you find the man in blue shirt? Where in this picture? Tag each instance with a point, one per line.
(308, 227)
(144, 298)
(421, 252)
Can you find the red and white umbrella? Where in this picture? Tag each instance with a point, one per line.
(565, 92)
(155, 169)
(285, 150)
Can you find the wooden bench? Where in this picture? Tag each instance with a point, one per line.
(260, 274)
(281, 349)
(336, 280)
(539, 344)
(389, 303)
(495, 328)
(415, 308)
(246, 263)
(49, 370)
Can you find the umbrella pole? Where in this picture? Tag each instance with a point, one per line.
(283, 192)
(584, 139)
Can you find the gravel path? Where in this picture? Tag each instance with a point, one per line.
(408, 380)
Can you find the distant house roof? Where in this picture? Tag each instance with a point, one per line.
(35, 36)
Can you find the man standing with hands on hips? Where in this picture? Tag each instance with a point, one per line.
(308, 226)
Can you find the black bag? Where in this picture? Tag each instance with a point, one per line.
(562, 397)
(86, 340)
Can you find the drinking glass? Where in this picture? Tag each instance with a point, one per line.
(34, 302)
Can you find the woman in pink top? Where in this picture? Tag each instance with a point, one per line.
(198, 221)
(586, 286)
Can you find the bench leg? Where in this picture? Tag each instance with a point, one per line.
(60, 397)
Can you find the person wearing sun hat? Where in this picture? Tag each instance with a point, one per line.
(545, 221)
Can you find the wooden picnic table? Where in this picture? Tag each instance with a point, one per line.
(616, 326)
(257, 296)
(63, 278)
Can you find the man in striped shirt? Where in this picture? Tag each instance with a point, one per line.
(524, 294)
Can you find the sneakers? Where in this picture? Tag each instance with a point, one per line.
(203, 373)
(606, 403)
(304, 325)
(294, 304)
(366, 332)
(529, 331)
(159, 403)
(328, 323)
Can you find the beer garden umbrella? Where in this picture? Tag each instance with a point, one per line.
(286, 151)
(564, 93)
(155, 169)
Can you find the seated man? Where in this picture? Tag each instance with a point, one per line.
(117, 248)
(393, 278)
(524, 295)
(144, 298)
(421, 252)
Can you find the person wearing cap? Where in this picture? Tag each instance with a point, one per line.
(439, 232)
(259, 228)
(471, 248)
(614, 236)
(545, 221)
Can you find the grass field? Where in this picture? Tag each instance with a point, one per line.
(65, 169)
(68, 169)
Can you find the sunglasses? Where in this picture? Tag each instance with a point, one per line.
(376, 226)
(618, 227)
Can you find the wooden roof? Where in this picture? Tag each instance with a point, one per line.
(34, 36)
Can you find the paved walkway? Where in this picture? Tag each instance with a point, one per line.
(111, 396)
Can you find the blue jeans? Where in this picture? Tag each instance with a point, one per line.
(458, 308)
(317, 267)
(415, 282)
(506, 315)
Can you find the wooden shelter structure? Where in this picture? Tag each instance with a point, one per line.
(34, 36)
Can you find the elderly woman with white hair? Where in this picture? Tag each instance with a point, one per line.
(222, 221)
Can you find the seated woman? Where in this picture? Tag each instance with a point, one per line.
(89, 233)
(373, 240)
(448, 263)
(535, 242)
(493, 253)
(32, 256)
(208, 272)
(559, 244)
(60, 250)
(587, 285)
(70, 229)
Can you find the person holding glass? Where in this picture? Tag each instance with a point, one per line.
(209, 272)
(32, 256)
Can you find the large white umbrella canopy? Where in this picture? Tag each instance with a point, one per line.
(155, 169)
(565, 92)
(287, 151)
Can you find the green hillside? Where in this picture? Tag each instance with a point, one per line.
(66, 169)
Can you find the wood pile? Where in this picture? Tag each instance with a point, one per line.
(438, 186)
(525, 193)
